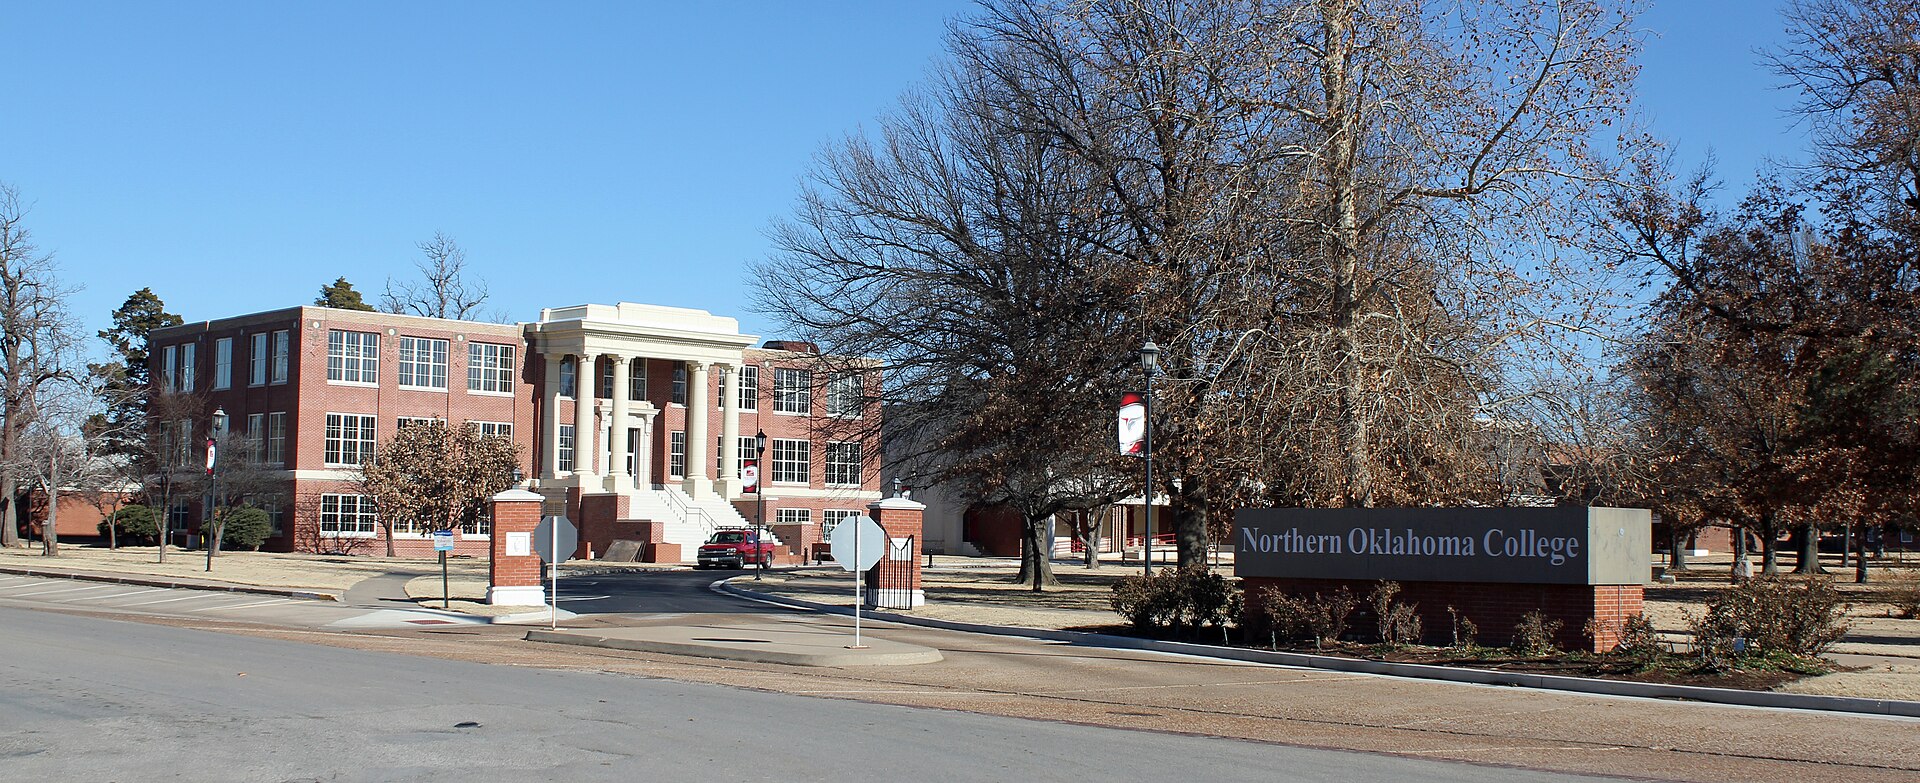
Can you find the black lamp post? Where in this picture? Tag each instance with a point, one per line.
(213, 484)
(760, 496)
(1149, 361)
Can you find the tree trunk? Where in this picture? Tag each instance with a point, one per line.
(1036, 565)
(389, 532)
(1860, 557)
(1769, 547)
(165, 523)
(1090, 535)
(1677, 542)
(9, 513)
(1809, 561)
(1340, 128)
(1742, 570)
(50, 532)
(1190, 523)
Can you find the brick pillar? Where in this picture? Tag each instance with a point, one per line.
(513, 571)
(900, 518)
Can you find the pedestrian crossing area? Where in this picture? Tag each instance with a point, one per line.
(215, 604)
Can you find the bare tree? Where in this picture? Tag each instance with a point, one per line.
(37, 340)
(443, 290)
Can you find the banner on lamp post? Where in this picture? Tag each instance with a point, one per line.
(210, 456)
(1133, 423)
(750, 477)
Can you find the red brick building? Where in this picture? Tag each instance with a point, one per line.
(677, 396)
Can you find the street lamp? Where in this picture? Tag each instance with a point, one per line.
(213, 483)
(1150, 362)
(760, 498)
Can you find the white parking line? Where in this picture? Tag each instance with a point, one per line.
(169, 600)
(65, 590)
(245, 606)
(112, 596)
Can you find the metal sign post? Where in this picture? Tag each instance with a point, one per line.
(443, 543)
(857, 544)
(556, 538)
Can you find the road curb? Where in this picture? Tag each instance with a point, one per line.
(1730, 696)
(161, 581)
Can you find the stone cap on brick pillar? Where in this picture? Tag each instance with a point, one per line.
(517, 495)
(896, 504)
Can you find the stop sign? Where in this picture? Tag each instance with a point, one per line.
(861, 534)
(555, 539)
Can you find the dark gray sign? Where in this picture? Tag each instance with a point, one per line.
(1561, 545)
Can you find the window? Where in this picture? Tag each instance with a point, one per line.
(606, 379)
(792, 390)
(223, 363)
(479, 525)
(567, 377)
(276, 438)
(637, 379)
(186, 366)
(792, 516)
(494, 429)
(843, 463)
(353, 357)
(257, 436)
(834, 516)
(183, 455)
(177, 518)
(408, 421)
(564, 447)
(633, 451)
(679, 384)
(791, 460)
(347, 516)
(349, 438)
(423, 363)
(677, 455)
(170, 368)
(744, 453)
(847, 395)
(276, 519)
(257, 368)
(749, 388)
(281, 348)
(490, 368)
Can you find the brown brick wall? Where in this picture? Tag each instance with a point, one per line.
(1494, 608)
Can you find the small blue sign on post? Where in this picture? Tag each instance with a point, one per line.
(443, 541)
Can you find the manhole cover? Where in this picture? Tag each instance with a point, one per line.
(740, 641)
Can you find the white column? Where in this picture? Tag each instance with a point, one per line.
(585, 377)
(643, 460)
(617, 478)
(728, 484)
(697, 413)
(550, 421)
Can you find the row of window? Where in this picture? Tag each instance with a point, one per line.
(792, 387)
(791, 462)
(828, 518)
(268, 363)
(354, 357)
(350, 437)
(355, 516)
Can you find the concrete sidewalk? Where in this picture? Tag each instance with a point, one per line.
(789, 643)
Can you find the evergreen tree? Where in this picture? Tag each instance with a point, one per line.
(340, 295)
(124, 380)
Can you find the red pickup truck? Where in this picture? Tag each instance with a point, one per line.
(735, 548)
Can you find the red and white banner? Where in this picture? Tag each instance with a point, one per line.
(750, 477)
(210, 454)
(1133, 423)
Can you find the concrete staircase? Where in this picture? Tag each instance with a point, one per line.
(689, 521)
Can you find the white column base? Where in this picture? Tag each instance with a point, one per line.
(696, 486)
(517, 595)
(915, 600)
(727, 488)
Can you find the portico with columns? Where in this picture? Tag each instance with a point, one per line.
(606, 349)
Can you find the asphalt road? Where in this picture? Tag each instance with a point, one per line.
(658, 592)
(84, 698)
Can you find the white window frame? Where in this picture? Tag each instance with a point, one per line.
(605, 372)
(834, 516)
(793, 516)
(859, 466)
(677, 454)
(749, 389)
(742, 453)
(282, 355)
(338, 512)
(257, 436)
(789, 399)
(257, 365)
(353, 358)
(404, 422)
(563, 448)
(636, 379)
(184, 447)
(493, 429)
(781, 468)
(187, 360)
(223, 363)
(569, 377)
(480, 527)
(276, 449)
(416, 365)
(365, 436)
(490, 368)
(844, 402)
(170, 368)
(678, 394)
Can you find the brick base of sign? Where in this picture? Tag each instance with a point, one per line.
(1493, 608)
(514, 573)
(535, 595)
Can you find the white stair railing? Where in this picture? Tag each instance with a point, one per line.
(687, 511)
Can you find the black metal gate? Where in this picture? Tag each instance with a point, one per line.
(890, 585)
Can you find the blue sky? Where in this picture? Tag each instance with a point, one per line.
(237, 156)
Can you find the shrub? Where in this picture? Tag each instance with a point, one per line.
(1185, 599)
(1637, 637)
(1465, 633)
(134, 524)
(1906, 601)
(1322, 618)
(245, 527)
(1533, 635)
(1767, 616)
(1396, 623)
